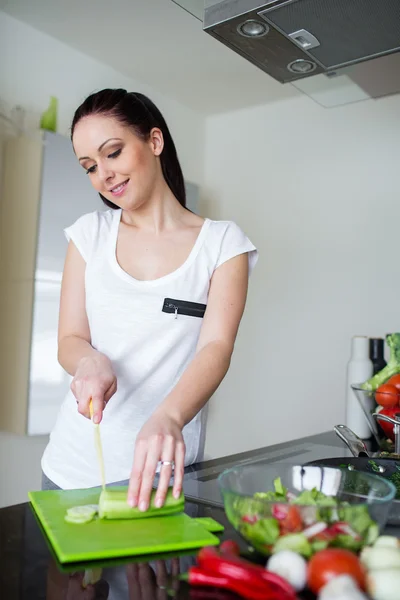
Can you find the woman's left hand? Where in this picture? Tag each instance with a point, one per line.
(160, 439)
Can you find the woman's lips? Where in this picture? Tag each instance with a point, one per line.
(120, 189)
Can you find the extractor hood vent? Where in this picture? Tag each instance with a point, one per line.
(293, 39)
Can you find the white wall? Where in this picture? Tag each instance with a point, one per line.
(33, 67)
(317, 190)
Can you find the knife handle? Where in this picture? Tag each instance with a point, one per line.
(91, 411)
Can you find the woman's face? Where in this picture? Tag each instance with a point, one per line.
(120, 165)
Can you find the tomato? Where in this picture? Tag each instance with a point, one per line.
(387, 395)
(388, 427)
(292, 523)
(329, 563)
(395, 380)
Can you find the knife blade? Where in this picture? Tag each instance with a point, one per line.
(99, 449)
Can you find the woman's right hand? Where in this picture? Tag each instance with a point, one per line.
(94, 380)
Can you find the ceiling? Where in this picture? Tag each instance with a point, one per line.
(180, 61)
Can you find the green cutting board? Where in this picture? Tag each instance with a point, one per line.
(103, 538)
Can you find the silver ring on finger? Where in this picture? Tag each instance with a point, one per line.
(167, 463)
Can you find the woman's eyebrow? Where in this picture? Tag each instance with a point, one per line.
(100, 147)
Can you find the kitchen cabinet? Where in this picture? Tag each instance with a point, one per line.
(43, 191)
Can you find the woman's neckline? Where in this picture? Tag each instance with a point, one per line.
(164, 278)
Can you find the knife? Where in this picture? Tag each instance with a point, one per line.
(99, 450)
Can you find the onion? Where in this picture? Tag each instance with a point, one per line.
(380, 558)
(291, 566)
(387, 541)
(342, 587)
(384, 584)
(315, 529)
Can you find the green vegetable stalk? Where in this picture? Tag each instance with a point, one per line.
(113, 505)
(392, 368)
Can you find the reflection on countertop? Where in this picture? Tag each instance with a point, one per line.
(29, 570)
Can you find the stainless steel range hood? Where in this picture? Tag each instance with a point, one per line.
(295, 39)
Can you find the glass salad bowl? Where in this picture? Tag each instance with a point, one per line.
(305, 508)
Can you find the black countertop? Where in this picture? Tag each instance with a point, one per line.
(28, 569)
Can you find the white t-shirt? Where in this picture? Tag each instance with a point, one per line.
(149, 330)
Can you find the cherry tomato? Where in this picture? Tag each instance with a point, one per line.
(395, 380)
(292, 523)
(329, 563)
(387, 395)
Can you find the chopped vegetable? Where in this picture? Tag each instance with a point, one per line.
(330, 563)
(380, 557)
(280, 511)
(293, 522)
(291, 566)
(294, 541)
(314, 496)
(384, 584)
(113, 505)
(358, 516)
(262, 532)
(347, 542)
(321, 520)
(315, 530)
(318, 545)
(310, 514)
(83, 510)
(279, 489)
(77, 520)
(392, 368)
(342, 587)
(81, 514)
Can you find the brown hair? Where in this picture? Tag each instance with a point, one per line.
(141, 114)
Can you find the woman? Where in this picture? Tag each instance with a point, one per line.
(151, 301)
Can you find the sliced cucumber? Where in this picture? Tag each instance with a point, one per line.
(81, 514)
(77, 520)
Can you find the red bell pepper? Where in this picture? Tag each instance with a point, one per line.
(229, 547)
(241, 570)
(199, 577)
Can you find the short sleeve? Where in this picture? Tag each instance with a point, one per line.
(235, 242)
(82, 233)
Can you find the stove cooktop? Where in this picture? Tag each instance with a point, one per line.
(202, 484)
